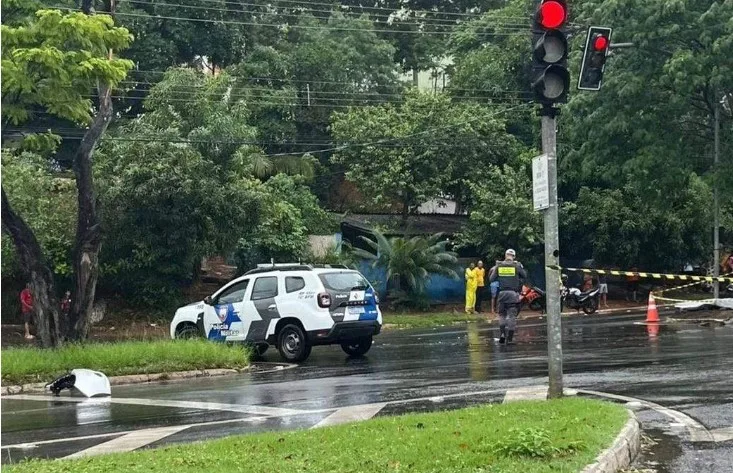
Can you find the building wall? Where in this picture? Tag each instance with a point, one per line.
(434, 79)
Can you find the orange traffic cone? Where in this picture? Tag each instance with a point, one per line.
(652, 315)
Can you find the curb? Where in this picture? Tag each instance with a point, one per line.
(34, 388)
(623, 451)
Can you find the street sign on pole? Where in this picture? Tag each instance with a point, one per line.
(540, 183)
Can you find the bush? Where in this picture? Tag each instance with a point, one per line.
(534, 443)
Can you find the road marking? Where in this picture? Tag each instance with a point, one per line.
(697, 431)
(351, 414)
(206, 406)
(722, 435)
(126, 432)
(130, 442)
(529, 393)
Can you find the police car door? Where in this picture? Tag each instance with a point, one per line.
(261, 307)
(224, 320)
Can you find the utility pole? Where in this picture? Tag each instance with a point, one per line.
(552, 249)
(550, 84)
(716, 203)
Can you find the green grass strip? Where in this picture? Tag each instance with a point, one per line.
(27, 365)
(429, 320)
(524, 437)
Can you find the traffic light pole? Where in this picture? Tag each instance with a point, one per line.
(552, 249)
(716, 203)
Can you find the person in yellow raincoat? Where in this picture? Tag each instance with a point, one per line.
(471, 286)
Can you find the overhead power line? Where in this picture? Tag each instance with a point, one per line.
(299, 5)
(78, 134)
(297, 13)
(289, 26)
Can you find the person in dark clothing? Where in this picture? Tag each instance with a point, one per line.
(511, 275)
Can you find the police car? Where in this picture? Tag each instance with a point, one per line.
(291, 306)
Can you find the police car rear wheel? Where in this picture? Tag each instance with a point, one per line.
(187, 331)
(357, 347)
(293, 344)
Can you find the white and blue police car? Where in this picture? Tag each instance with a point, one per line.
(291, 306)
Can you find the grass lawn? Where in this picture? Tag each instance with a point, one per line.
(524, 437)
(27, 365)
(429, 319)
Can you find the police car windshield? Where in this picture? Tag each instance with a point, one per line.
(344, 281)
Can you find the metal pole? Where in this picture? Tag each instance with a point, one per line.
(552, 244)
(716, 204)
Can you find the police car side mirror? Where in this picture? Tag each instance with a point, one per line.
(208, 301)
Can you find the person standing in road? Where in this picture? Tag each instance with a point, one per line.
(480, 285)
(511, 275)
(603, 289)
(26, 307)
(471, 285)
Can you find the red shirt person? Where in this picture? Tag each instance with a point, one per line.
(26, 306)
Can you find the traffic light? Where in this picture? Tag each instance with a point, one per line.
(550, 76)
(594, 58)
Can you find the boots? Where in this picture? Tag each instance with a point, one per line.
(502, 334)
(510, 337)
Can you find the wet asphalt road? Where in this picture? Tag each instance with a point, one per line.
(685, 367)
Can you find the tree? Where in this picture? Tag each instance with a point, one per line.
(47, 200)
(652, 132)
(163, 215)
(290, 212)
(502, 216)
(52, 64)
(409, 262)
(421, 149)
(491, 61)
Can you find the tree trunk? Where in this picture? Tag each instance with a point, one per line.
(37, 272)
(88, 234)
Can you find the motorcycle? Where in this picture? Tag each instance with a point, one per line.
(534, 298)
(576, 299)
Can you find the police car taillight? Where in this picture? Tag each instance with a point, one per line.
(376, 297)
(324, 300)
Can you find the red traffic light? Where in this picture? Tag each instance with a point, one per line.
(551, 14)
(600, 43)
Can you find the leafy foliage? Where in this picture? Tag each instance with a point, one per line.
(503, 216)
(52, 62)
(164, 209)
(409, 262)
(421, 149)
(288, 215)
(534, 443)
(47, 200)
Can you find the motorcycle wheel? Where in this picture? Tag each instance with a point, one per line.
(537, 305)
(590, 307)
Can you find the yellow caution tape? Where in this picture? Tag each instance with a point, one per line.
(669, 277)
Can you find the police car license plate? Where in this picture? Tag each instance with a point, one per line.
(357, 310)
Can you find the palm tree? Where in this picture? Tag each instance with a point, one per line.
(251, 160)
(409, 262)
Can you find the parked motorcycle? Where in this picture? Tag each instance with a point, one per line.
(534, 298)
(574, 298)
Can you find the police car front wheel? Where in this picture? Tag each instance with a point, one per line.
(293, 344)
(357, 347)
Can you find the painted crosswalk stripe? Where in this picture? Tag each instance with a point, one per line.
(130, 442)
(351, 414)
(529, 393)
